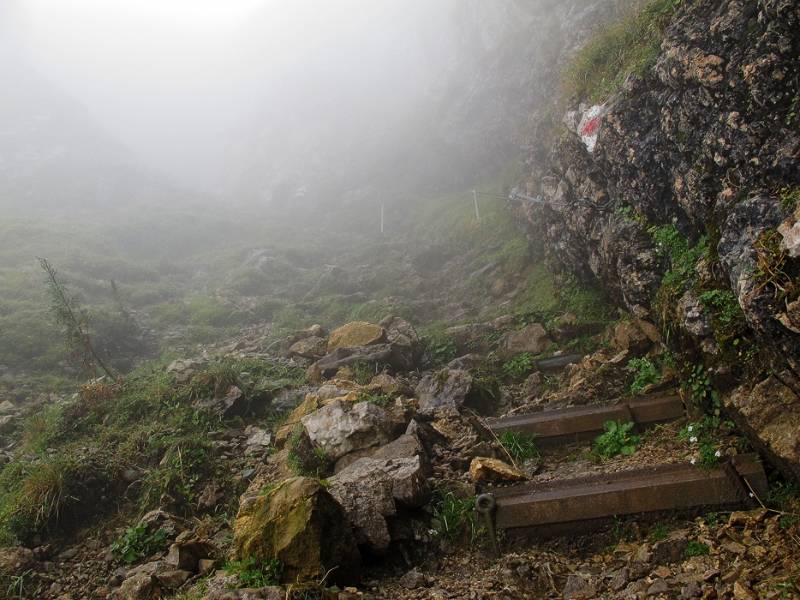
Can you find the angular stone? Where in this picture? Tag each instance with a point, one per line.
(311, 403)
(234, 403)
(578, 588)
(407, 445)
(355, 334)
(300, 524)
(443, 391)
(769, 413)
(173, 579)
(485, 470)
(671, 549)
(311, 347)
(369, 489)
(185, 555)
(532, 339)
(341, 427)
(141, 586)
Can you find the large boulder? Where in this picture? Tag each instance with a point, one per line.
(448, 390)
(342, 427)
(356, 334)
(769, 412)
(371, 490)
(301, 525)
(381, 354)
(405, 342)
(393, 343)
(532, 339)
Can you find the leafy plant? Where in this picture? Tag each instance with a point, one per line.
(519, 445)
(699, 385)
(695, 548)
(709, 455)
(439, 348)
(645, 373)
(453, 516)
(303, 459)
(138, 542)
(253, 573)
(682, 256)
(658, 532)
(518, 366)
(363, 372)
(783, 495)
(788, 521)
(617, 439)
(701, 434)
(374, 398)
(789, 197)
(725, 310)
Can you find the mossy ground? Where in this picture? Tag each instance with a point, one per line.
(627, 46)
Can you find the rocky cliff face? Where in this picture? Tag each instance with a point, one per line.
(685, 210)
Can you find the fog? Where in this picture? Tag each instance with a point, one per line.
(245, 99)
(192, 88)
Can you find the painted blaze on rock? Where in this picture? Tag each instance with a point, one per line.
(301, 525)
(355, 334)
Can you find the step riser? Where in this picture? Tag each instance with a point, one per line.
(671, 488)
(564, 426)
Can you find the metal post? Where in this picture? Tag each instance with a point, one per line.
(475, 199)
(381, 219)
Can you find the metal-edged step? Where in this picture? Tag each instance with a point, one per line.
(676, 487)
(566, 425)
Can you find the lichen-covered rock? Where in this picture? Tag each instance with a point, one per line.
(300, 524)
(705, 142)
(355, 334)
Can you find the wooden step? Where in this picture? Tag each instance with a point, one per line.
(575, 502)
(566, 425)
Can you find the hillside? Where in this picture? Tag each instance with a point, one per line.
(578, 380)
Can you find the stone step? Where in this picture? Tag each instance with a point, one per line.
(571, 505)
(566, 425)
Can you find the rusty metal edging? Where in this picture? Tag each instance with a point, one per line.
(658, 489)
(567, 425)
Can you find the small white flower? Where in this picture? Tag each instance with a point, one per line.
(693, 460)
(690, 428)
(717, 453)
(693, 439)
(752, 495)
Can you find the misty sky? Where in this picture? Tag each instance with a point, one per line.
(184, 82)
